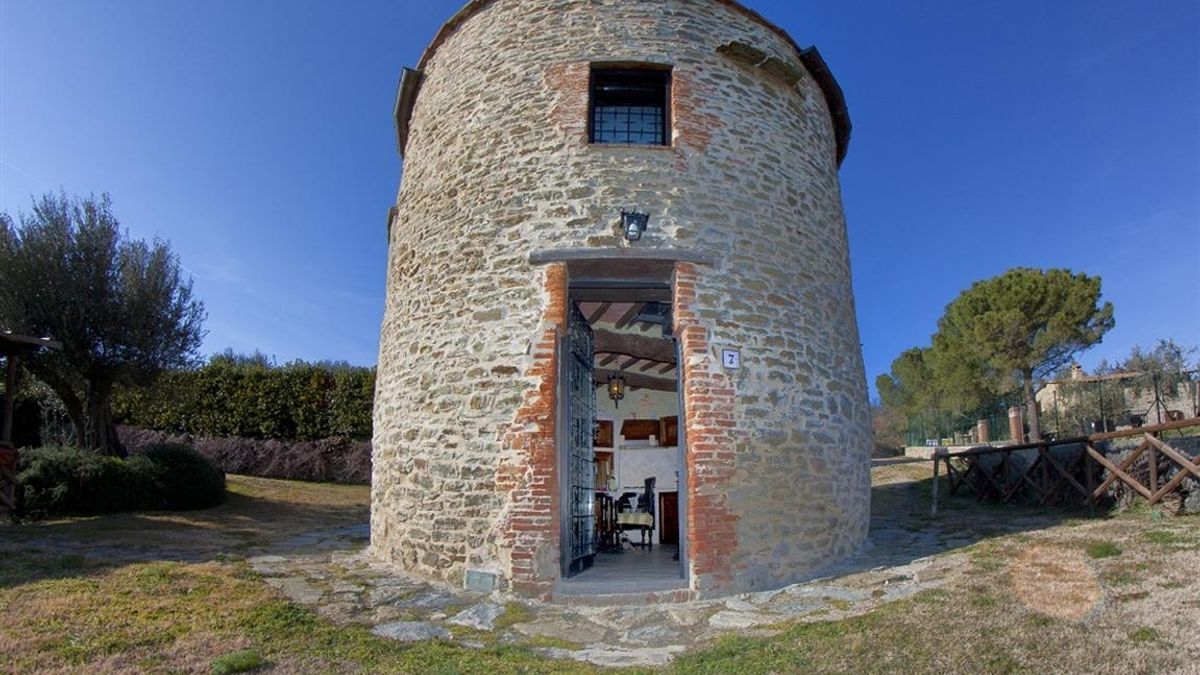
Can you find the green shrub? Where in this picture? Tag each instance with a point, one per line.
(65, 481)
(59, 481)
(185, 478)
(237, 662)
(1102, 549)
(1144, 635)
(1164, 537)
(251, 397)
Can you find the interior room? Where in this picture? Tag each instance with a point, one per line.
(636, 445)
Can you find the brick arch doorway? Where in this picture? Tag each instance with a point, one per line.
(619, 319)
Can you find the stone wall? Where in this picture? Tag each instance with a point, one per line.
(1184, 398)
(637, 460)
(497, 167)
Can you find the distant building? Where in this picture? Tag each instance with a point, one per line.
(1122, 399)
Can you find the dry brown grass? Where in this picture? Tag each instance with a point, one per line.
(1054, 581)
(258, 513)
(152, 591)
(1029, 599)
(166, 592)
(169, 593)
(129, 618)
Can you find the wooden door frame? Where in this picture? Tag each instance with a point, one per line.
(650, 279)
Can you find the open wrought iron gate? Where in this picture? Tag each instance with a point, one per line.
(577, 466)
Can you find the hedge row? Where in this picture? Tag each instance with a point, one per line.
(68, 481)
(336, 460)
(248, 397)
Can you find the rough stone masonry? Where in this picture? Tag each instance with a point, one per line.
(498, 167)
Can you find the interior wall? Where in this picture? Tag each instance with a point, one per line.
(634, 461)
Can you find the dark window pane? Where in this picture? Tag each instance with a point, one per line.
(630, 106)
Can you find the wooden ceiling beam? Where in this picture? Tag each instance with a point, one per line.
(599, 312)
(600, 375)
(628, 317)
(667, 368)
(609, 359)
(641, 346)
(600, 294)
(612, 356)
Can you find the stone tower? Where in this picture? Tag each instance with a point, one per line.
(527, 129)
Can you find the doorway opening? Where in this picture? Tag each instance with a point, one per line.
(622, 455)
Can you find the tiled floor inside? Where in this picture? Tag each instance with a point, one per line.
(630, 571)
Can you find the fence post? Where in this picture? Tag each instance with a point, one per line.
(1058, 429)
(1153, 469)
(1158, 404)
(10, 396)
(938, 455)
(1016, 425)
(1090, 469)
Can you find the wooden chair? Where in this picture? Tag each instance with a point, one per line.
(608, 535)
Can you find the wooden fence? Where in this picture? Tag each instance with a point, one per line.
(1069, 472)
(8, 478)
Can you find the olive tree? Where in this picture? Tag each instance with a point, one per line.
(120, 306)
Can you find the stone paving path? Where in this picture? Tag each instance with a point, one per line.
(333, 576)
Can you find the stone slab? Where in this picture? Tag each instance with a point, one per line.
(411, 631)
(297, 589)
(618, 657)
(480, 617)
(570, 628)
(729, 618)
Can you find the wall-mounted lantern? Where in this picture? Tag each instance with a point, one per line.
(634, 224)
(616, 388)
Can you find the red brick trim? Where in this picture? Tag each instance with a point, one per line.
(693, 127)
(570, 83)
(530, 480)
(708, 416)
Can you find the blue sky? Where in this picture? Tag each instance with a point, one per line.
(257, 138)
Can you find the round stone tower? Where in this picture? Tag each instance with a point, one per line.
(530, 130)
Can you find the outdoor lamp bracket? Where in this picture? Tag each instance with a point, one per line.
(634, 224)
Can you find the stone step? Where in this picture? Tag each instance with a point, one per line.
(627, 598)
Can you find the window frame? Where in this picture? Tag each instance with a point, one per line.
(664, 76)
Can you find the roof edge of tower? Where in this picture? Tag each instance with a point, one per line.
(809, 56)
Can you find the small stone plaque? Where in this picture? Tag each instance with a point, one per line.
(480, 581)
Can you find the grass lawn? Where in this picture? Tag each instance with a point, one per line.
(171, 593)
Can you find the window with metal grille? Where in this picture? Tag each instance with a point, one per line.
(630, 106)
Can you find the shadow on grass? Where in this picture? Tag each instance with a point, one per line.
(903, 528)
(38, 565)
(245, 525)
(292, 519)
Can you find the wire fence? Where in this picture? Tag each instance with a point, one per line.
(1104, 403)
(989, 424)
(1069, 408)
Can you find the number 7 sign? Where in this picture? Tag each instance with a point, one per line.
(731, 358)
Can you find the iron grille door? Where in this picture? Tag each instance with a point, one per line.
(580, 464)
